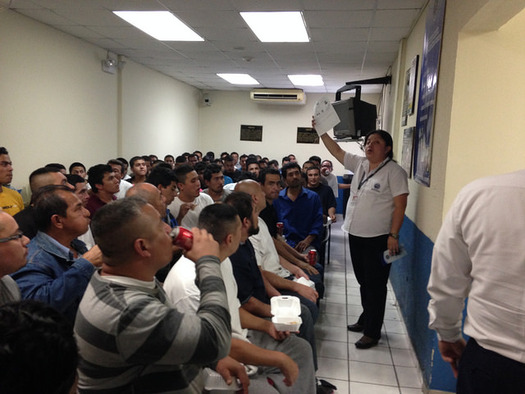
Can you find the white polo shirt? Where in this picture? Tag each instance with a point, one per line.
(371, 203)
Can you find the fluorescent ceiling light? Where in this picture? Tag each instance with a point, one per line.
(239, 79)
(306, 80)
(277, 26)
(162, 25)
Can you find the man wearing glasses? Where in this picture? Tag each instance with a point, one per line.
(10, 200)
(13, 253)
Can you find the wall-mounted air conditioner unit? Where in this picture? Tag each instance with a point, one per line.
(278, 96)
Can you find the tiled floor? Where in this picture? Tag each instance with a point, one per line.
(389, 368)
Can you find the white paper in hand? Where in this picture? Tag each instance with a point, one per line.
(325, 116)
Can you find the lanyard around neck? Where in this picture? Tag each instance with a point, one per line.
(363, 181)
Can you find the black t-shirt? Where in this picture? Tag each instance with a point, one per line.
(326, 194)
(248, 275)
(269, 215)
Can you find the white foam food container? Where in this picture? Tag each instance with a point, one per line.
(286, 311)
(214, 383)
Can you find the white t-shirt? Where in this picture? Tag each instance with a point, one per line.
(124, 187)
(184, 294)
(266, 253)
(191, 219)
(371, 203)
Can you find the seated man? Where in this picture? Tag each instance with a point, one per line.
(104, 185)
(229, 168)
(165, 180)
(13, 252)
(274, 356)
(118, 171)
(139, 170)
(253, 290)
(77, 168)
(270, 182)
(252, 166)
(56, 272)
(129, 336)
(154, 196)
(39, 353)
(328, 203)
(300, 210)
(10, 200)
(187, 206)
(39, 178)
(214, 182)
(81, 190)
(268, 258)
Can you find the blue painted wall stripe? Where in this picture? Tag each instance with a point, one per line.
(409, 277)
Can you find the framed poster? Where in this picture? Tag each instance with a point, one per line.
(307, 135)
(251, 133)
(407, 151)
(428, 91)
(410, 86)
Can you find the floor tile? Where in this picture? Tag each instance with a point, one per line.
(331, 349)
(403, 357)
(332, 368)
(377, 355)
(373, 373)
(366, 388)
(399, 341)
(395, 327)
(327, 333)
(327, 319)
(333, 308)
(409, 390)
(409, 377)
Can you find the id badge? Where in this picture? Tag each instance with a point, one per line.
(353, 201)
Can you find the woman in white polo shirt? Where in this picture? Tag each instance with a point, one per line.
(374, 215)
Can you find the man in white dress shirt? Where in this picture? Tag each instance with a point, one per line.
(480, 254)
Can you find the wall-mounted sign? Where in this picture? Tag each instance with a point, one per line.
(307, 135)
(251, 133)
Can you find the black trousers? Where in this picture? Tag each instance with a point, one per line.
(483, 371)
(372, 276)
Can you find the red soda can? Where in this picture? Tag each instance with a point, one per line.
(280, 228)
(312, 257)
(183, 238)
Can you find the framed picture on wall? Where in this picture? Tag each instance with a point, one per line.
(409, 99)
(307, 135)
(251, 133)
(407, 153)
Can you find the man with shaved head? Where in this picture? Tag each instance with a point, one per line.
(39, 178)
(279, 277)
(130, 338)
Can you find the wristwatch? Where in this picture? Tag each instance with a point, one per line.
(394, 235)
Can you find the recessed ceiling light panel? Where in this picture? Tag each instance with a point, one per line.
(239, 79)
(162, 25)
(285, 26)
(306, 80)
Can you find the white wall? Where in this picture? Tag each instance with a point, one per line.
(487, 123)
(219, 127)
(55, 102)
(159, 114)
